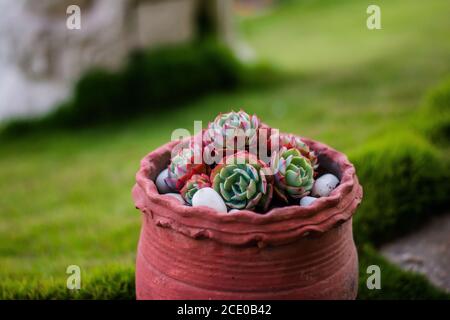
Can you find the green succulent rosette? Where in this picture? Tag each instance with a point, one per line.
(243, 182)
(293, 174)
(195, 183)
(237, 129)
(183, 164)
(290, 141)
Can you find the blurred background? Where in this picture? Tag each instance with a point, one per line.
(79, 108)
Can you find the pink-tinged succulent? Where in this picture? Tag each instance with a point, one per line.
(294, 175)
(290, 141)
(195, 183)
(243, 181)
(231, 129)
(185, 162)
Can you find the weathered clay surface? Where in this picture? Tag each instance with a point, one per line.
(288, 253)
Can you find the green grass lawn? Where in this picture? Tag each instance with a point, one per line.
(66, 194)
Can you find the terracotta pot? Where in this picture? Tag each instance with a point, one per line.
(288, 253)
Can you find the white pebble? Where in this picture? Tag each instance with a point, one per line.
(324, 185)
(161, 182)
(176, 196)
(306, 201)
(210, 198)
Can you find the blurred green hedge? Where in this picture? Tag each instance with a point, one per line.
(150, 81)
(405, 179)
(434, 116)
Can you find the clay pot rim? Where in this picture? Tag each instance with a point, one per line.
(320, 216)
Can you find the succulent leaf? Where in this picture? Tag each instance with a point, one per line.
(294, 174)
(195, 183)
(290, 141)
(183, 165)
(243, 183)
(229, 129)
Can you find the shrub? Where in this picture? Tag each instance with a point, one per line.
(404, 180)
(169, 76)
(434, 116)
(100, 96)
(151, 81)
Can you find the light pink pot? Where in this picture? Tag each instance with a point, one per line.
(288, 253)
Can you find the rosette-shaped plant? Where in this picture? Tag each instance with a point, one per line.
(294, 174)
(290, 141)
(243, 181)
(195, 183)
(237, 129)
(184, 164)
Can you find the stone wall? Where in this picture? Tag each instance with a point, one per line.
(40, 58)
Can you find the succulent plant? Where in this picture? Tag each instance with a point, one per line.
(183, 166)
(227, 127)
(290, 141)
(294, 174)
(195, 183)
(244, 175)
(243, 182)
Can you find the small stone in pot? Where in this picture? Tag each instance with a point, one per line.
(306, 201)
(177, 196)
(210, 198)
(324, 185)
(161, 182)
